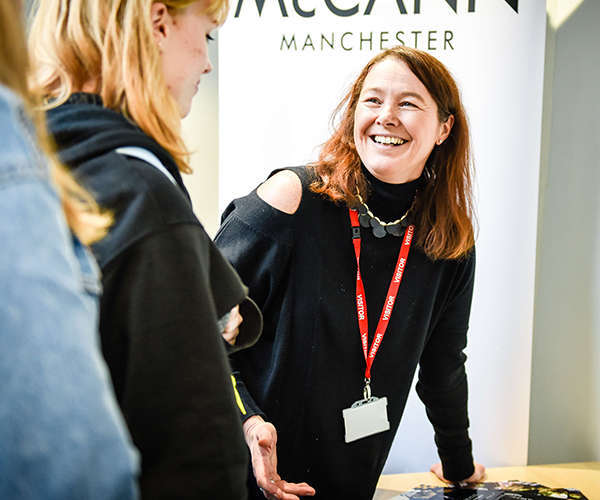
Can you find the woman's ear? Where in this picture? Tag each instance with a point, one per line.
(161, 22)
(445, 129)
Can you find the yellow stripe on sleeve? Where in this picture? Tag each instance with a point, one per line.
(238, 399)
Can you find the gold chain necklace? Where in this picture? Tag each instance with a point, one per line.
(380, 228)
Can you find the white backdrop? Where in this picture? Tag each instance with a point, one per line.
(280, 79)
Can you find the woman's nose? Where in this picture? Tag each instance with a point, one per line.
(387, 116)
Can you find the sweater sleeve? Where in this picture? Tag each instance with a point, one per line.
(442, 383)
(229, 291)
(168, 363)
(257, 239)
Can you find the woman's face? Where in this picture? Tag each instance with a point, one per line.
(182, 39)
(396, 123)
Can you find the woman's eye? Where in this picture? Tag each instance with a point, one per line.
(374, 100)
(406, 104)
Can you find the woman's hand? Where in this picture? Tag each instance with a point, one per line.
(261, 438)
(232, 327)
(476, 477)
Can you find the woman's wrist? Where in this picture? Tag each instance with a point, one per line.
(249, 425)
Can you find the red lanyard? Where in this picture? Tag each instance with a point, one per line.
(361, 302)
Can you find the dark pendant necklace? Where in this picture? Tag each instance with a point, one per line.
(380, 228)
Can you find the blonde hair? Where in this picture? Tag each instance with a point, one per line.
(110, 43)
(82, 213)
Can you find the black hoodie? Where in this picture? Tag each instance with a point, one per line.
(165, 286)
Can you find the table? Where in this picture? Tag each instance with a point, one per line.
(584, 476)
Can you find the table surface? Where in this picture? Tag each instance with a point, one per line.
(584, 476)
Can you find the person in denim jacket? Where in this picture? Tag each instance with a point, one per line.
(61, 433)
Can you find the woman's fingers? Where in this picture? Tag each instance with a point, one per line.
(477, 476)
(437, 470)
(300, 489)
(264, 465)
(264, 458)
(231, 337)
(231, 330)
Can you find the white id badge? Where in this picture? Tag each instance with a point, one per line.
(365, 418)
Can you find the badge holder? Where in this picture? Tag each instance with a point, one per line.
(366, 417)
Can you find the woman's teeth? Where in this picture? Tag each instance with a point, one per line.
(397, 141)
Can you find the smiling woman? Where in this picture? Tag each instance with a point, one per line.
(438, 154)
(319, 246)
(396, 123)
(118, 75)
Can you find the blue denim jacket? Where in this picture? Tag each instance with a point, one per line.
(61, 433)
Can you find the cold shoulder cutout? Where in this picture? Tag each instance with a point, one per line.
(282, 191)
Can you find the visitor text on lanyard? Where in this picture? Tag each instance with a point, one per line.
(361, 302)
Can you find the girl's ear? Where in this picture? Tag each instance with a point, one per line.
(161, 22)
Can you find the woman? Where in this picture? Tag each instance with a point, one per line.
(61, 431)
(396, 171)
(119, 75)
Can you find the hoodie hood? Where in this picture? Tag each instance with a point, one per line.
(83, 129)
(84, 132)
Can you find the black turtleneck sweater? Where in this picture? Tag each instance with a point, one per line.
(309, 364)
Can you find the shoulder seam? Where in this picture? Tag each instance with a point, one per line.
(258, 231)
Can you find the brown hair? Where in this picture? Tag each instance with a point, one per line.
(444, 207)
(83, 216)
(110, 42)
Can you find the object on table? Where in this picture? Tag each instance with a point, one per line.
(504, 490)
